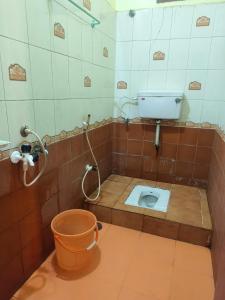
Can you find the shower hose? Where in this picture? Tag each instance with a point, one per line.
(90, 168)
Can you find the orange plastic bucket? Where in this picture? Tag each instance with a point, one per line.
(76, 233)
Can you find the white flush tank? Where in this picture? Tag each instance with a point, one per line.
(160, 104)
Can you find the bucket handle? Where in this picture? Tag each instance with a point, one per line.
(80, 250)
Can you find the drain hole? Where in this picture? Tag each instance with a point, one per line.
(148, 201)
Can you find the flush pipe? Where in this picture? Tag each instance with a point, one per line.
(157, 135)
(88, 167)
(27, 159)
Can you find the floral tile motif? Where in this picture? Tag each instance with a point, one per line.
(195, 86)
(202, 21)
(17, 72)
(59, 30)
(105, 52)
(121, 85)
(159, 55)
(87, 4)
(87, 81)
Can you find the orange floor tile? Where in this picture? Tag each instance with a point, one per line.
(128, 265)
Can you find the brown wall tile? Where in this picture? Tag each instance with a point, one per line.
(127, 219)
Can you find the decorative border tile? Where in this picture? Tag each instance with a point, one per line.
(59, 30)
(17, 73)
(195, 86)
(159, 55)
(87, 81)
(105, 52)
(121, 85)
(87, 4)
(203, 21)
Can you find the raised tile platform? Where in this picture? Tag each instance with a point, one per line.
(187, 219)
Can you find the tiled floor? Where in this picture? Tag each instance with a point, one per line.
(128, 265)
(187, 205)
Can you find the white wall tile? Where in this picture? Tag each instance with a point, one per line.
(140, 55)
(157, 80)
(19, 113)
(163, 46)
(210, 112)
(182, 21)
(13, 22)
(199, 76)
(216, 60)
(58, 15)
(142, 25)
(199, 11)
(215, 87)
(191, 111)
(2, 92)
(41, 71)
(124, 26)
(13, 52)
(123, 76)
(87, 43)
(60, 70)
(219, 24)
(139, 81)
(97, 48)
(4, 130)
(176, 79)
(123, 55)
(38, 22)
(199, 53)
(74, 37)
(178, 56)
(44, 117)
(161, 23)
(76, 81)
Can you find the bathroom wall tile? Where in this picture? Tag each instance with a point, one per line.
(157, 80)
(110, 45)
(123, 55)
(17, 12)
(124, 26)
(15, 52)
(188, 136)
(19, 113)
(57, 14)
(176, 79)
(199, 53)
(87, 43)
(199, 11)
(76, 80)
(139, 82)
(184, 169)
(41, 76)
(4, 130)
(161, 23)
(191, 111)
(206, 137)
(134, 166)
(216, 55)
(134, 147)
(74, 36)
(178, 57)
(215, 88)
(142, 25)
(38, 22)
(219, 23)
(162, 46)
(103, 214)
(182, 21)
(60, 70)
(210, 112)
(170, 135)
(140, 55)
(97, 48)
(135, 131)
(62, 109)
(124, 76)
(44, 117)
(186, 153)
(12, 277)
(200, 77)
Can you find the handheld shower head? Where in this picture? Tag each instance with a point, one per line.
(87, 123)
